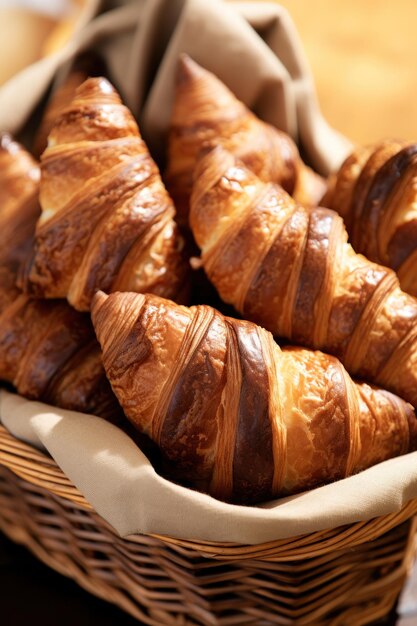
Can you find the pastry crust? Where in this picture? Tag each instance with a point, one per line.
(48, 351)
(291, 270)
(375, 193)
(19, 210)
(234, 414)
(206, 114)
(107, 220)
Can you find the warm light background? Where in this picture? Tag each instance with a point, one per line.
(363, 55)
(31, 29)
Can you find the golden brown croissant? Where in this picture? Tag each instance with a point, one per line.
(233, 413)
(206, 113)
(19, 210)
(48, 352)
(292, 271)
(375, 192)
(107, 220)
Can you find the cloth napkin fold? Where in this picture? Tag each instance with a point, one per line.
(253, 47)
(122, 486)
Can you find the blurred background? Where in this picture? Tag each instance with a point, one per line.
(32, 29)
(362, 55)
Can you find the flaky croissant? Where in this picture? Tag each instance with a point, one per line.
(107, 220)
(206, 113)
(234, 414)
(291, 270)
(375, 192)
(48, 352)
(19, 210)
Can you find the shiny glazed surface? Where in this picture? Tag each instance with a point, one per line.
(234, 414)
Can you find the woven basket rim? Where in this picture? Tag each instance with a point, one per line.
(363, 583)
(40, 469)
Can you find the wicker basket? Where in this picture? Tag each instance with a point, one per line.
(343, 576)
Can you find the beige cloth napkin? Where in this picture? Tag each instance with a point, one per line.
(121, 484)
(252, 47)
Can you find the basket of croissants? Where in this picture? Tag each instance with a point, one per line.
(245, 324)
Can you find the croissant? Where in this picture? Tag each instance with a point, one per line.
(375, 193)
(205, 113)
(292, 271)
(234, 414)
(48, 352)
(19, 210)
(107, 220)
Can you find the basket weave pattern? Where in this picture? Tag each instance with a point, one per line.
(348, 575)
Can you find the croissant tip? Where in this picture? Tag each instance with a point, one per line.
(98, 300)
(212, 155)
(214, 150)
(208, 155)
(95, 85)
(188, 69)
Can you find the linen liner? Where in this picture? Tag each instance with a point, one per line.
(122, 486)
(255, 50)
(252, 46)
